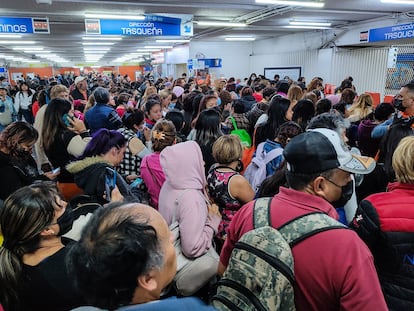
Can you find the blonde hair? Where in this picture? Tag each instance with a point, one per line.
(164, 93)
(163, 135)
(149, 91)
(55, 90)
(362, 107)
(403, 160)
(227, 149)
(294, 93)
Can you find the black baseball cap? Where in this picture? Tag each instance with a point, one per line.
(319, 150)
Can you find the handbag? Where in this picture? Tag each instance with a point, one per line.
(243, 134)
(192, 273)
(6, 116)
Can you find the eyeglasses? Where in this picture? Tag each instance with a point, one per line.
(332, 182)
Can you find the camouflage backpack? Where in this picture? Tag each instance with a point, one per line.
(260, 274)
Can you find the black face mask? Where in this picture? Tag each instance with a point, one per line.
(65, 221)
(398, 103)
(346, 194)
(22, 153)
(240, 166)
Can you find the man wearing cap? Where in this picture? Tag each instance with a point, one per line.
(7, 111)
(80, 93)
(334, 270)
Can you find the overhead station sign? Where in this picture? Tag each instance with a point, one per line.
(397, 32)
(153, 25)
(24, 25)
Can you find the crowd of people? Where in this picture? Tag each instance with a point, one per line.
(117, 193)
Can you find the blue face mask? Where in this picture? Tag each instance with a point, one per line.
(218, 101)
(171, 106)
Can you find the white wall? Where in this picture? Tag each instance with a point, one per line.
(235, 56)
(343, 55)
(178, 55)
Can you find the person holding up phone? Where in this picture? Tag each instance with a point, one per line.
(64, 138)
(95, 172)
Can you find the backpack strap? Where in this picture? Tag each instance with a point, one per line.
(261, 212)
(269, 156)
(305, 226)
(233, 122)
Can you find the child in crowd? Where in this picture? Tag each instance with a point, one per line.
(152, 112)
(163, 135)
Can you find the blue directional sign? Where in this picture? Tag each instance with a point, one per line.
(405, 31)
(23, 25)
(152, 26)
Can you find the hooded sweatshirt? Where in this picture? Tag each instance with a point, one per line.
(90, 177)
(183, 190)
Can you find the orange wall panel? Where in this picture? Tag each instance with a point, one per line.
(49, 71)
(41, 71)
(130, 71)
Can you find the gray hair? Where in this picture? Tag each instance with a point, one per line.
(329, 120)
(101, 95)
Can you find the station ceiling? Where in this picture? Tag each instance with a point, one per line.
(67, 21)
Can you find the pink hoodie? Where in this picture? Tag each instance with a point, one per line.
(153, 176)
(184, 183)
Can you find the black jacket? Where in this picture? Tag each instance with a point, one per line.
(385, 221)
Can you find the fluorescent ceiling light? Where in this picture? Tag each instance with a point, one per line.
(98, 43)
(240, 39)
(220, 24)
(30, 51)
(304, 27)
(97, 50)
(114, 16)
(10, 36)
(31, 61)
(102, 38)
(13, 57)
(407, 2)
(28, 48)
(172, 40)
(311, 4)
(158, 47)
(46, 55)
(90, 53)
(16, 42)
(297, 23)
(147, 50)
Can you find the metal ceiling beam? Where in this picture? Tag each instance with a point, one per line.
(232, 5)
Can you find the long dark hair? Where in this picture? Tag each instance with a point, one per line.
(270, 186)
(277, 116)
(29, 91)
(25, 214)
(208, 127)
(53, 120)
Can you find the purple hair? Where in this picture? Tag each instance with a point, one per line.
(102, 141)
